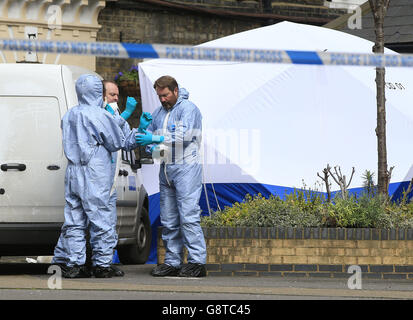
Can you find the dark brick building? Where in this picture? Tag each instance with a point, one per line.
(398, 25)
(193, 22)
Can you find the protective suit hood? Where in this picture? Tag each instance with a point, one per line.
(183, 94)
(89, 90)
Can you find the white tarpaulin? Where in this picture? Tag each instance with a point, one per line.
(272, 126)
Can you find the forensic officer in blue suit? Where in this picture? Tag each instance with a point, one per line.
(175, 136)
(111, 98)
(90, 136)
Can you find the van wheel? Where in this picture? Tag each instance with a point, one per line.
(138, 253)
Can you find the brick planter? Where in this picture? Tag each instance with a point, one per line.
(307, 252)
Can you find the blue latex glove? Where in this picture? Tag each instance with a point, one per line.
(145, 121)
(130, 107)
(148, 138)
(109, 108)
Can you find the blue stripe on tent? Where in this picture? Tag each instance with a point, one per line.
(396, 190)
(229, 193)
(115, 258)
(304, 57)
(140, 50)
(154, 210)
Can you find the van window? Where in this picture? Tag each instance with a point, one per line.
(30, 128)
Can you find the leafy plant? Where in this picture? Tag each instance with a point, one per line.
(131, 75)
(368, 183)
(262, 212)
(308, 208)
(359, 212)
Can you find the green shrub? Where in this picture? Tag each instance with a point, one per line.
(306, 208)
(363, 212)
(261, 212)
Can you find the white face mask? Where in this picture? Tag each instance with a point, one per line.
(114, 106)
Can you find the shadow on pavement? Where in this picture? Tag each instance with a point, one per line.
(23, 268)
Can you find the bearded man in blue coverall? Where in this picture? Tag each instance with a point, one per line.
(176, 133)
(90, 136)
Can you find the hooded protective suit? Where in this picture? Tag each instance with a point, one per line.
(90, 135)
(128, 132)
(180, 180)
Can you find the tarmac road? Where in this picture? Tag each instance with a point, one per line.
(30, 281)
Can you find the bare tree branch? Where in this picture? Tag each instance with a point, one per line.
(329, 170)
(373, 6)
(325, 179)
(390, 172)
(340, 179)
(386, 5)
(352, 173)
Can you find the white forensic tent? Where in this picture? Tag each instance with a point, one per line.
(271, 127)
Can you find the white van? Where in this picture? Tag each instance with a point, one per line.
(33, 100)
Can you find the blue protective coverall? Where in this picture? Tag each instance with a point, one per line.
(90, 136)
(180, 180)
(114, 196)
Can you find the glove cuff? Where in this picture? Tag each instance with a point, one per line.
(158, 139)
(109, 108)
(125, 115)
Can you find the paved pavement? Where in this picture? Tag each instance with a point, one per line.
(31, 281)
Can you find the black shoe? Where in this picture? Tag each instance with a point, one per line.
(116, 271)
(164, 270)
(76, 272)
(103, 272)
(195, 270)
(62, 267)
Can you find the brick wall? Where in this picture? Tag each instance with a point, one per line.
(147, 25)
(307, 252)
(140, 26)
(143, 22)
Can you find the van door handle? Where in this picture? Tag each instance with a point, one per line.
(13, 166)
(53, 167)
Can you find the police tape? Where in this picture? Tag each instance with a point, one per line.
(141, 51)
